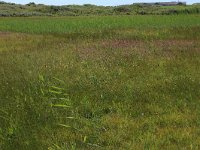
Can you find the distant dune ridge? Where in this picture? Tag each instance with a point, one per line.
(157, 8)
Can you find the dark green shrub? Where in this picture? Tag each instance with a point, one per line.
(122, 9)
(141, 12)
(31, 4)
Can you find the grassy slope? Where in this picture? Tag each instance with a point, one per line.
(127, 86)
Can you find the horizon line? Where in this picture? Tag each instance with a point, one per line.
(96, 4)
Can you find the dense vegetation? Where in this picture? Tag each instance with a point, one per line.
(128, 82)
(32, 9)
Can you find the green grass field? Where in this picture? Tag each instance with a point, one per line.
(123, 82)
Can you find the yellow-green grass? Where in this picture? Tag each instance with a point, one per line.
(131, 88)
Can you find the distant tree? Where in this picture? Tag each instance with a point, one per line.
(89, 5)
(31, 4)
(2, 2)
(181, 3)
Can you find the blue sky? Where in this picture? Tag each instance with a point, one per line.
(97, 2)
